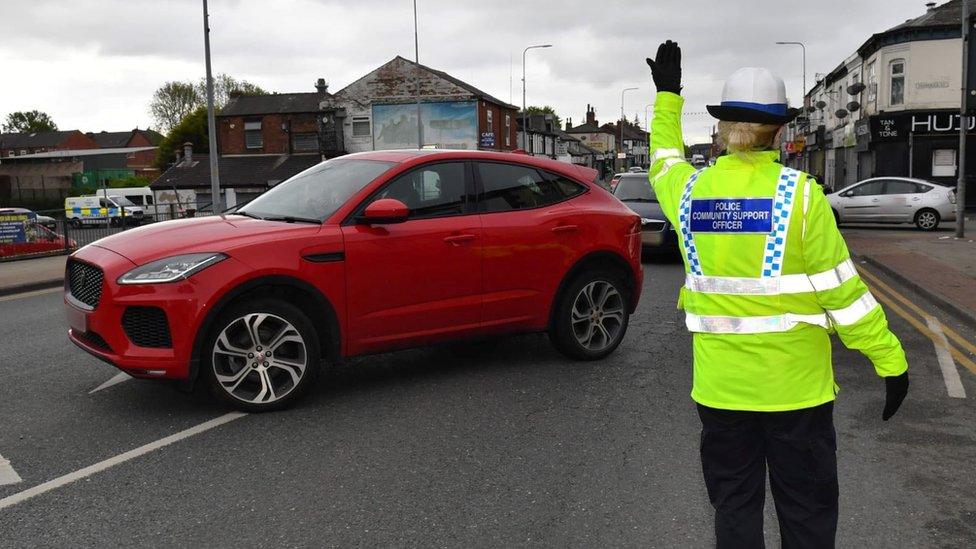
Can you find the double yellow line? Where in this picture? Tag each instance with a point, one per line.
(890, 297)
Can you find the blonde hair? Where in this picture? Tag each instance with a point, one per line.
(742, 138)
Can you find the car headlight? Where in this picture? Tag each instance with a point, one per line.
(170, 269)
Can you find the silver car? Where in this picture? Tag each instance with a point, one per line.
(894, 200)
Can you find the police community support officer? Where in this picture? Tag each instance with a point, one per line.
(768, 279)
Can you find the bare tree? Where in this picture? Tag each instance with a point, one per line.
(225, 86)
(172, 102)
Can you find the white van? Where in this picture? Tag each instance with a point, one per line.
(138, 196)
(89, 210)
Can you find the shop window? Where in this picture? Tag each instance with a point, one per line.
(872, 83)
(898, 82)
(253, 139)
(508, 130)
(943, 163)
(490, 123)
(360, 126)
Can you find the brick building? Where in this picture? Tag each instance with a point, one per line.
(16, 144)
(125, 140)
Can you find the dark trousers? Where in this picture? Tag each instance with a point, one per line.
(801, 450)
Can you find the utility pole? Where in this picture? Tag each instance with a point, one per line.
(623, 120)
(416, 76)
(525, 128)
(963, 128)
(211, 125)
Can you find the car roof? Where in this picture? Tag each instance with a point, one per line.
(415, 156)
(897, 178)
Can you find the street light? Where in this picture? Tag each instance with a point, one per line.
(416, 75)
(215, 201)
(525, 128)
(804, 92)
(623, 118)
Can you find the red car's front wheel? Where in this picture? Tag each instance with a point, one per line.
(263, 354)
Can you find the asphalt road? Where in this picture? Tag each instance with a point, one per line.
(496, 444)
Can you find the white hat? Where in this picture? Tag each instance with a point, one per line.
(754, 94)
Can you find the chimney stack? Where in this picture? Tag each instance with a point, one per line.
(590, 115)
(188, 153)
(321, 86)
(930, 6)
(569, 124)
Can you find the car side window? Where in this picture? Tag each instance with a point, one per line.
(565, 185)
(430, 191)
(868, 189)
(508, 187)
(895, 186)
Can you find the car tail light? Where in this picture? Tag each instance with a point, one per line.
(951, 194)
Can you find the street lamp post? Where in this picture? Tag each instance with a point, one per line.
(623, 118)
(416, 75)
(804, 91)
(525, 128)
(211, 125)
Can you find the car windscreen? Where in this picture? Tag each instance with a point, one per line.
(317, 192)
(635, 188)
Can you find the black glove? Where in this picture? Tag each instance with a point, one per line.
(895, 390)
(666, 67)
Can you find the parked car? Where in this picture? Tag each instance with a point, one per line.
(615, 180)
(38, 240)
(361, 254)
(636, 169)
(895, 200)
(47, 221)
(657, 233)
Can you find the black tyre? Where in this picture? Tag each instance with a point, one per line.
(927, 220)
(262, 355)
(591, 315)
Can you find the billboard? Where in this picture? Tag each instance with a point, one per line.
(449, 125)
(17, 228)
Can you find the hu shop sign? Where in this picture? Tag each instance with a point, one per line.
(897, 127)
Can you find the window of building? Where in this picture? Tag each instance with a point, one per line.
(508, 130)
(872, 83)
(898, 82)
(490, 123)
(509, 187)
(253, 138)
(432, 191)
(360, 126)
(304, 142)
(943, 163)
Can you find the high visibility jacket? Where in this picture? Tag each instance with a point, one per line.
(768, 277)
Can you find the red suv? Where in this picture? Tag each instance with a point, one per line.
(361, 254)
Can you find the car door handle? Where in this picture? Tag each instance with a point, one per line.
(459, 239)
(565, 229)
(875, 200)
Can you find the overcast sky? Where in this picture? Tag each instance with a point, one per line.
(94, 65)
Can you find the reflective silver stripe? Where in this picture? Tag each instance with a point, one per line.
(666, 153)
(751, 324)
(833, 278)
(668, 163)
(784, 284)
(855, 311)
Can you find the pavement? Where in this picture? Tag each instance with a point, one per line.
(496, 444)
(934, 264)
(26, 275)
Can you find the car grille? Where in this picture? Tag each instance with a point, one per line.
(92, 339)
(147, 327)
(85, 282)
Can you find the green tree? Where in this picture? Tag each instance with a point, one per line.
(192, 129)
(29, 122)
(545, 110)
(172, 102)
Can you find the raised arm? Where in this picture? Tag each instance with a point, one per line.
(669, 170)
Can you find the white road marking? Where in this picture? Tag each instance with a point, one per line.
(116, 379)
(7, 473)
(948, 366)
(31, 293)
(116, 460)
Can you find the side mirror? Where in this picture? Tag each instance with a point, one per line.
(384, 211)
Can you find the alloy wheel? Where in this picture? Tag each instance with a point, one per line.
(597, 315)
(927, 220)
(259, 358)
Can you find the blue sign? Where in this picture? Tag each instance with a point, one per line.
(488, 139)
(732, 215)
(17, 228)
